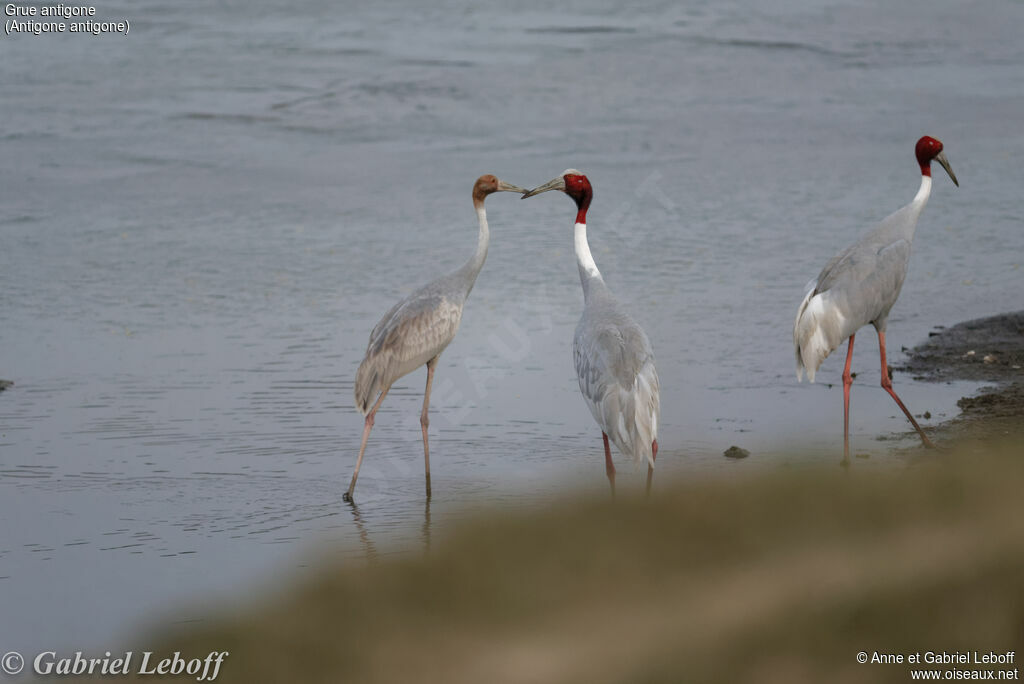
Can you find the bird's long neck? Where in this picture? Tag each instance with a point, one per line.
(916, 205)
(476, 262)
(925, 190)
(584, 259)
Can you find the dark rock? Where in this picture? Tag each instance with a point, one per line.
(735, 452)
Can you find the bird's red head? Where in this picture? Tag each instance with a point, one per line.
(575, 185)
(927, 149)
(578, 187)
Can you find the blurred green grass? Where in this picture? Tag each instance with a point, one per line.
(777, 576)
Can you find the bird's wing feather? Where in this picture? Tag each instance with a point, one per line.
(867, 278)
(386, 319)
(858, 286)
(617, 377)
(864, 262)
(411, 333)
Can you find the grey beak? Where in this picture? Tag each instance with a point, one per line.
(941, 158)
(553, 184)
(508, 187)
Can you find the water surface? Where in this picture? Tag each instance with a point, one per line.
(202, 221)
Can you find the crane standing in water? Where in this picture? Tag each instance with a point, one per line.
(859, 286)
(417, 329)
(613, 357)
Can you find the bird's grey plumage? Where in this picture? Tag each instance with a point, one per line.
(414, 331)
(857, 286)
(419, 327)
(613, 357)
(615, 368)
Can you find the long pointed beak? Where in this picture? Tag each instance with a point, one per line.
(553, 184)
(941, 158)
(508, 187)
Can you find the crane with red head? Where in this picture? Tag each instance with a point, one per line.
(860, 285)
(612, 354)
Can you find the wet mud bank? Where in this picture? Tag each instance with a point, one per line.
(989, 350)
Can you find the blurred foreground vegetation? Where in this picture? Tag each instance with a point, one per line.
(777, 576)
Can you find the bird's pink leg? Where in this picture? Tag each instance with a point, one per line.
(362, 446)
(847, 381)
(609, 467)
(425, 419)
(650, 468)
(887, 386)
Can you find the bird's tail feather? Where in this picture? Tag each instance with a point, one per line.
(797, 334)
(367, 387)
(646, 410)
(817, 331)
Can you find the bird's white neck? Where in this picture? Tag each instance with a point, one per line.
(476, 262)
(584, 259)
(916, 206)
(924, 191)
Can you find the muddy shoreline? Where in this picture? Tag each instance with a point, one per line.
(989, 350)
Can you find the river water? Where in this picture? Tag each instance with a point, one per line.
(201, 221)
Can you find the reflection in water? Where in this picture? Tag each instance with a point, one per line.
(426, 526)
(369, 550)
